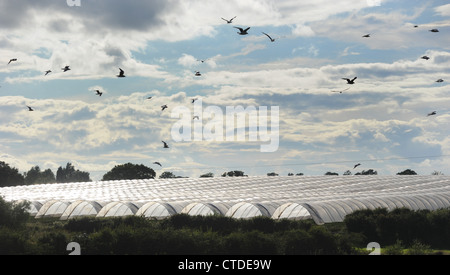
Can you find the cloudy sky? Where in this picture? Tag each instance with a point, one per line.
(380, 121)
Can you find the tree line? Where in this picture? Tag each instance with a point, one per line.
(10, 176)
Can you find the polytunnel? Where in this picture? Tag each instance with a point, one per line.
(81, 209)
(119, 209)
(159, 210)
(323, 198)
(292, 211)
(33, 208)
(52, 209)
(206, 209)
(246, 210)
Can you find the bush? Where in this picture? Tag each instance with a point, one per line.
(418, 248)
(13, 215)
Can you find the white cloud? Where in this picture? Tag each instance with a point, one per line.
(443, 10)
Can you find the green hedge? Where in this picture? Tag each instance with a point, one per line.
(395, 231)
(404, 225)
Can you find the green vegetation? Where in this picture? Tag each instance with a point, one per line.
(400, 232)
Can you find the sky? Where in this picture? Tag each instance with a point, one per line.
(380, 121)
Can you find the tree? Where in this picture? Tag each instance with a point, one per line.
(234, 174)
(169, 175)
(130, 171)
(407, 172)
(69, 174)
(437, 173)
(368, 172)
(331, 174)
(10, 176)
(35, 176)
(292, 174)
(347, 173)
(13, 215)
(207, 175)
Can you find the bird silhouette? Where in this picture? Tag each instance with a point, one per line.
(350, 81)
(164, 107)
(12, 60)
(121, 74)
(425, 57)
(197, 73)
(440, 80)
(195, 117)
(150, 97)
(432, 114)
(194, 100)
(434, 30)
(165, 144)
(271, 39)
(366, 36)
(356, 165)
(47, 72)
(66, 68)
(229, 21)
(30, 109)
(242, 31)
(201, 60)
(98, 93)
(157, 163)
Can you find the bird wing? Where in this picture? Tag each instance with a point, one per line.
(241, 29)
(246, 29)
(267, 35)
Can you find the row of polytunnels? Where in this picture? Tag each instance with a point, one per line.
(320, 211)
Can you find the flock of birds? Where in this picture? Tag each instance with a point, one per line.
(242, 32)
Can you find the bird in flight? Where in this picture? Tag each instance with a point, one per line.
(157, 163)
(30, 109)
(164, 107)
(47, 72)
(197, 73)
(367, 35)
(425, 57)
(432, 114)
(121, 74)
(165, 144)
(229, 21)
(150, 97)
(98, 93)
(359, 164)
(434, 30)
(350, 81)
(11, 60)
(242, 31)
(66, 68)
(271, 39)
(195, 117)
(194, 100)
(201, 60)
(440, 80)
